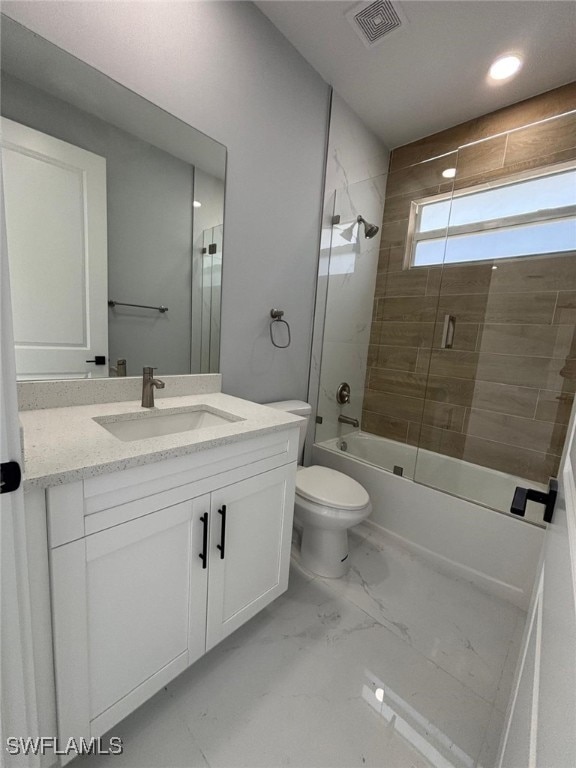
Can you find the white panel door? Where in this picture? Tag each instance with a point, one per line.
(57, 247)
(250, 536)
(540, 730)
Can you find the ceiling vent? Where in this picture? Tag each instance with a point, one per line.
(373, 21)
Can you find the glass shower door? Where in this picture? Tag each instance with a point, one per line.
(210, 299)
(400, 306)
(351, 276)
(502, 367)
(215, 303)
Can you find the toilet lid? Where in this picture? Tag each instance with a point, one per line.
(329, 487)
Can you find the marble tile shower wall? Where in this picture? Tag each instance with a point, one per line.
(352, 269)
(502, 396)
(355, 183)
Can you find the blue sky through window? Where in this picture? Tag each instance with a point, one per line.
(508, 236)
(523, 240)
(553, 191)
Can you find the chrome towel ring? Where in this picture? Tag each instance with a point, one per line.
(277, 315)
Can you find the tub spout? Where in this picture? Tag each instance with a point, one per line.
(349, 420)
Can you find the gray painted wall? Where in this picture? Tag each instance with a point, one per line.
(227, 71)
(149, 202)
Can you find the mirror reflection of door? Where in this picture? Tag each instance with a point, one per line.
(57, 248)
(164, 184)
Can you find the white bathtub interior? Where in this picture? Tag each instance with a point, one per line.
(481, 485)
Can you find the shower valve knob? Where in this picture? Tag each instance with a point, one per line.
(343, 393)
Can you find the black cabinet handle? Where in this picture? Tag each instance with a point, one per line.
(98, 360)
(220, 546)
(204, 554)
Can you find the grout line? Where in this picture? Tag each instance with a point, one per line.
(184, 720)
(444, 295)
(480, 336)
(513, 416)
(407, 431)
(555, 308)
(500, 354)
(519, 128)
(548, 452)
(471, 406)
(480, 321)
(536, 407)
(505, 151)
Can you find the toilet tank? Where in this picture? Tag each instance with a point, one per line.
(298, 408)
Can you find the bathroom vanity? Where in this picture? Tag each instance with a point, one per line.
(158, 547)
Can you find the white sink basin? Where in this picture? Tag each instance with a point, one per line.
(142, 426)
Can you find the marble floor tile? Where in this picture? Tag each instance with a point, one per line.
(316, 657)
(154, 736)
(462, 629)
(341, 674)
(510, 665)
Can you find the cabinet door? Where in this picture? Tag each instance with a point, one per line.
(253, 520)
(129, 613)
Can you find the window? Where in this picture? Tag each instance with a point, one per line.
(517, 217)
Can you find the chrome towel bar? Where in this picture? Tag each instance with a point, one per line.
(161, 308)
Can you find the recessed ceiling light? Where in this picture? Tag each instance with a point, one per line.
(505, 67)
(196, 204)
(449, 173)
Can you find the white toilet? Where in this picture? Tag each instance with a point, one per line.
(327, 504)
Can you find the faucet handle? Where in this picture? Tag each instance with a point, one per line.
(148, 370)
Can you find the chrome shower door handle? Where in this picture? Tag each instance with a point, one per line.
(448, 332)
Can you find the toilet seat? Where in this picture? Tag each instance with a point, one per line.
(328, 518)
(329, 488)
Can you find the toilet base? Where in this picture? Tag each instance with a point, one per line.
(325, 552)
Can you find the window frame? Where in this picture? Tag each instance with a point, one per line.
(550, 214)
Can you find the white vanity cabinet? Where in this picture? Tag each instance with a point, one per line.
(153, 566)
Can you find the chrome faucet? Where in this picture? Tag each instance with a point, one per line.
(349, 420)
(148, 384)
(120, 367)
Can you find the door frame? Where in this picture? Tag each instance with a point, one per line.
(19, 715)
(551, 724)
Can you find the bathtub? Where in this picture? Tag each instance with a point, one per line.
(456, 514)
(482, 485)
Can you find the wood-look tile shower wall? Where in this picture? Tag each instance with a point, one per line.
(502, 396)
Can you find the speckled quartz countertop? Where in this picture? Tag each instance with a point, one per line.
(62, 445)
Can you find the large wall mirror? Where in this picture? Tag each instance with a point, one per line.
(114, 220)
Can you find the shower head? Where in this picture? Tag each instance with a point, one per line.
(369, 229)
